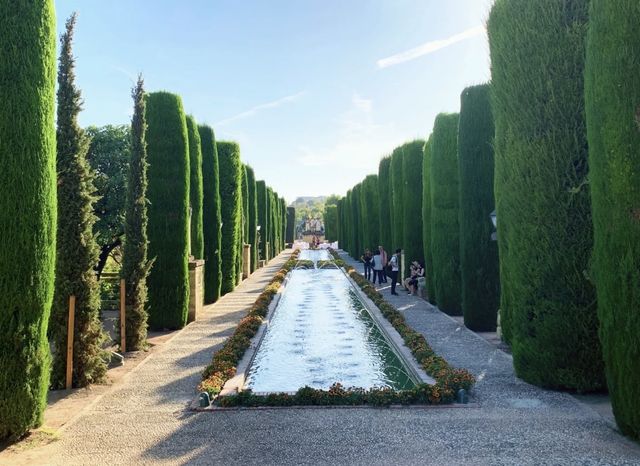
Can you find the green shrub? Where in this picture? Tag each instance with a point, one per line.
(195, 189)
(253, 217)
(384, 195)
(76, 248)
(261, 190)
(613, 123)
(542, 193)
(412, 157)
(211, 215)
(231, 209)
(426, 221)
(168, 193)
(27, 209)
(135, 263)
(291, 224)
(445, 230)
(396, 190)
(478, 253)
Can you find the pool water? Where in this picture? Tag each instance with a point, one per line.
(321, 333)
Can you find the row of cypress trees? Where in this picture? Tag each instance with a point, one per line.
(553, 145)
(49, 252)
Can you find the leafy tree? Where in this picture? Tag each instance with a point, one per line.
(109, 153)
(76, 248)
(27, 210)
(135, 264)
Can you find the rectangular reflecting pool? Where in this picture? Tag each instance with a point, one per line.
(321, 333)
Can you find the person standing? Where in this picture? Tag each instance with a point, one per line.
(366, 258)
(395, 266)
(378, 269)
(385, 262)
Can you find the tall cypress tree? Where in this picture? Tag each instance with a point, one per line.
(384, 176)
(261, 197)
(211, 215)
(478, 252)
(27, 210)
(231, 209)
(426, 221)
(397, 202)
(445, 229)
(543, 204)
(245, 220)
(168, 193)
(195, 188)
(613, 128)
(253, 217)
(412, 157)
(135, 266)
(330, 223)
(76, 249)
(291, 224)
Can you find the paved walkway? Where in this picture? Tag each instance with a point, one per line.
(145, 420)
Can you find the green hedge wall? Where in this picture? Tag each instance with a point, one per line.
(195, 188)
(426, 221)
(397, 201)
(445, 229)
(543, 202)
(478, 253)
(283, 222)
(253, 217)
(358, 245)
(291, 224)
(371, 217)
(168, 194)
(212, 215)
(231, 210)
(384, 198)
(244, 224)
(270, 222)
(27, 188)
(261, 190)
(413, 154)
(613, 123)
(331, 223)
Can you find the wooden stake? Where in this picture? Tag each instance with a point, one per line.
(70, 331)
(123, 336)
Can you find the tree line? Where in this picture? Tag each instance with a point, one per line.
(183, 195)
(552, 143)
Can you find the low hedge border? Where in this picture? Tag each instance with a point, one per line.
(434, 365)
(448, 380)
(225, 360)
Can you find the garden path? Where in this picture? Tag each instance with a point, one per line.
(146, 421)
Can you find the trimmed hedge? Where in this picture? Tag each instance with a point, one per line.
(478, 253)
(253, 217)
(211, 215)
(397, 202)
(426, 221)
(168, 194)
(330, 223)
(613, 123)
(371, 215)
(195, 188)
(543, 203)
(231, 210)
(244, 226)
(413, 155)
(27, 209)
(384, 198)
(291, 225)
(445, 229)
(261, 190)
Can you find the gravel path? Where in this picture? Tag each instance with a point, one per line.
(145, 420)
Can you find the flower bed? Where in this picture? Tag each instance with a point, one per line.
(448, 380)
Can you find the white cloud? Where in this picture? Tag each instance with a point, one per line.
(429, 47)
(360, 144)
(252, 111)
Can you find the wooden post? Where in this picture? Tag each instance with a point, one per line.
(123, 335)
(70, 331)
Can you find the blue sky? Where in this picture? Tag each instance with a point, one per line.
(315, 91)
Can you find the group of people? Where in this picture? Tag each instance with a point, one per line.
(377, 266)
